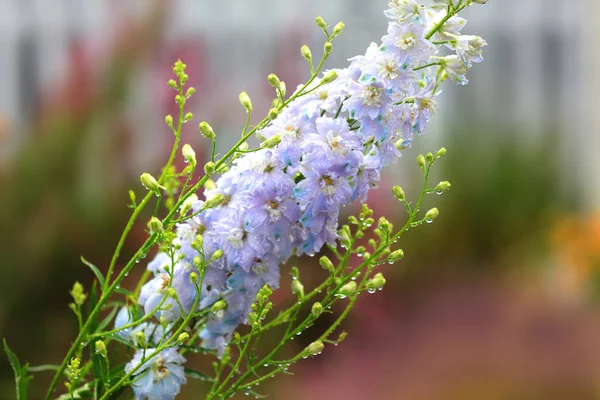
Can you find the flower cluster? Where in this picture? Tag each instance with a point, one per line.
(323, 151)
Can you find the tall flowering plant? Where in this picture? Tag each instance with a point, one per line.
(225, 236)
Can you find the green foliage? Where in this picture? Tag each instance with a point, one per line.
(21, 377)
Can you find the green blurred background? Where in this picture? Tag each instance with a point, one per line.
(497, 300)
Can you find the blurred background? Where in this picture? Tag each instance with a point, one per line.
(498, 300)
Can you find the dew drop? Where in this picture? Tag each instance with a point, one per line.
(429, 221)
(371, 291)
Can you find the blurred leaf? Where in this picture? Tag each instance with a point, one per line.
(95, 270)
(192, 373)
(21, 378)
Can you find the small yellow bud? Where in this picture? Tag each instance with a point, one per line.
(421, 161)
(306, 53)
(100, 348)
(155, 225)
(317, 310)
(206, 130)
(441, 152)
(315, 348)
(183, 337)
(214, 201)
(194, 277)
(396, 256)
(140, 337)
(169, 121)
(273, 113)
(432, 214)
(150, 182)
(217, 254)
(297, 288)
(188, 117)
(189, 155)
(328, 48)
(209, 168)
(326, 264)
(245, 101)
(443, 186)
(321, 22)
(338, 28)
(218, 306)
(348, 289)
(271, 142)
(78, 293)
(376, 283)
(171, 292)
(172, 84)
(274, 80)
(399, 193)
(329, 77)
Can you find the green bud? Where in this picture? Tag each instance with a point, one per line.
(217, 254)
(171, 292)
(188, 117)
(100, 348)
(432, 214)
(206, 130)
(209, 168)
(377, 282)
(315, 348)
(245, 101)
(187, 204)
(352, 219)
(373, 243)
(132, 196)
(401, 145)
(155, 225)
(297, 288)
(140, 338)
(429, 157)
(209, 184)
(197, 261)
(338, 28)
(348, 289)
(329, 77)
(328, 48)
(190, 92)
(273, 113)
(321, 22)
(306, 53)
(399, 193)
(421, 161)
(194, 277)
(443, 186)
(317, 310)
(360, 250)
(172, 84)
(441, 152)
(189, 154)
(326, 264)
(169, 121)
(384, 225)
(271, 142)
(274, 80)
(218, 306)
(78, 293)
(183, 337)
(198, 243)
(150, 182)
(396, 256)
(214, 201)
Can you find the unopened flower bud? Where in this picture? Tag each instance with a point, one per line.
(315, 348)
(317, 310)
(209, 184)
(377, 282)
(187, 204)
(206, 130)
(384, 224)
(480, 1)
(217, 254)
(338, 28)
(209, 168)
(198, 243)
(218, 306)
(271, 142)
(443, 186)
(172, 84)
(441, 152)
(321, 22)
(306, 53)
(78, 293)
(189, 154)
(328, 48)
(100, 348)
(330, 76)
(194, 277)
(190, 92)
(421, 161)
(171, 292)
(432, 214)
(274, 80)
(297, 288)
(140, 338)
(214, 201)
(169, 121)
(396, 256)
(183, 337)
(348, 288)
(155, 225)
(246, 102)
(188, 117)
(399, 193)
(326, 264)
(149, 182)
(273, 113)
